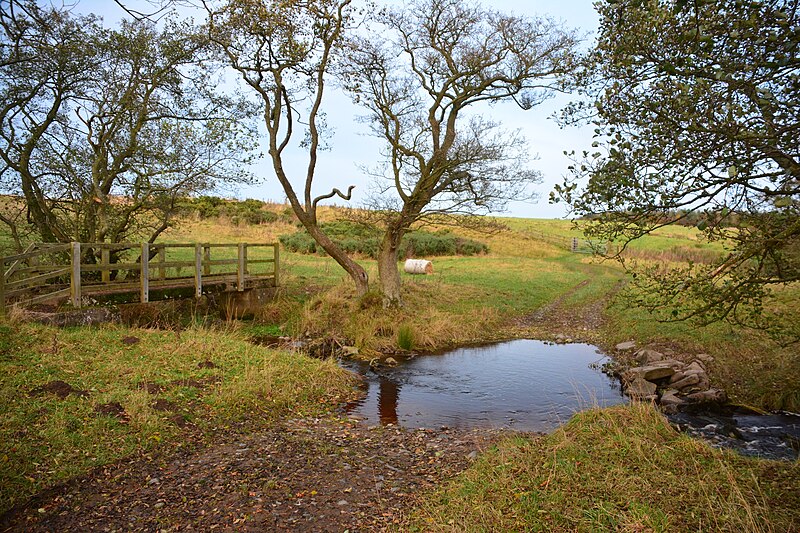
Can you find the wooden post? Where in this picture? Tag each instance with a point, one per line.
(207, 260)
(240, 269)
(75, 276)
(2, 287)
(574, 244)
(198, 270)
(105, 260)
(275, 254)
(162, 258)
(144, 278)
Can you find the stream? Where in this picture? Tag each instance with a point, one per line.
(531, 385)
(527, 385)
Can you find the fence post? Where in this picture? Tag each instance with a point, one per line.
(105, 260)
(207, 260)
(574, 244)
(162, 258)
(75, 276)
(240, 271)
(2, 287)
(276, 256)
(198, 270)
(144, 278)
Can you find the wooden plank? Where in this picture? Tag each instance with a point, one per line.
(240, 270)
(49, 296)
(144, 293)
(2, 288)
(276, 255)
(49, 250)
(105, 260)
(206, 259)
(162, 259)
(33, 281)
(75, 276)
(198, 270)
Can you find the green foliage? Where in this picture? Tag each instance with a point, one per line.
(364, 240)
(405, 337)
(697, 115)
(251, 212)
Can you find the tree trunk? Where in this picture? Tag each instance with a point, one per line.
(353, 269)
(388, 272)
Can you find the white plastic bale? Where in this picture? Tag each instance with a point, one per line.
(418, 266)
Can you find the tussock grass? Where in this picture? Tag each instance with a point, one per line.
(431, 314)
(617, 469)
(45, 439)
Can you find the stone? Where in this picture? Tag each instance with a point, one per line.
(677, 376)
(625, 346)
(695, 367)
(649, 373)
(670, 397)
(705, 358)
(688, 381)
(710, 395)
(641, 389)
(390, 361)
(645, 356)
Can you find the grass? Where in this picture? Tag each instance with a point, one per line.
(617, 469)
(45, 439)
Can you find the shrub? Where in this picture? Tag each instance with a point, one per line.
(364, 240)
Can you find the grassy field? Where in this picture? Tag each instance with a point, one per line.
(130, 396)
(617, 469)
(74, 399)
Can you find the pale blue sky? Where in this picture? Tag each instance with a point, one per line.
(352, 148)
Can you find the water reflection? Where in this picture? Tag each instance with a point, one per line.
(388, 395)
(525, 384)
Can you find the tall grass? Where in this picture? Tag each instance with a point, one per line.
(207, 379)
(617, 469)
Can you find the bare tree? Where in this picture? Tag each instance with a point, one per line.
(102, 131)
(284, 50)
(421, 75)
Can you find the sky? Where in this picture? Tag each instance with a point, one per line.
(353, 149)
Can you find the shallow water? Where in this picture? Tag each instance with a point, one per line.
(527, 385)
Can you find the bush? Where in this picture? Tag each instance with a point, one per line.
(248, 211)
(364, 240)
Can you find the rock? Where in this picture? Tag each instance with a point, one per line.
(705, 358)
(645, 356)
(677, 376)
(649, 373)
(641, 389)
(472, 455)
(390, 361)
(670, 397)
(695, 368)
(349, 351)
(710, 395)
(625, 346)
(688, 381)
(341, 502)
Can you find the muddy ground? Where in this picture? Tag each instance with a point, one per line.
(327, 475)
(333, 474)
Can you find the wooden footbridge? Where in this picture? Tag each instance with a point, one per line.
(83, 273)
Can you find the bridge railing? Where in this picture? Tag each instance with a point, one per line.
(54, 272)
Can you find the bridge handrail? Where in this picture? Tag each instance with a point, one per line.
(37, 274)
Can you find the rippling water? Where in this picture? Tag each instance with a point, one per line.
(526, 385)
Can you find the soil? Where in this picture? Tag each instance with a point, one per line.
(60, 388)
(333, 474)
